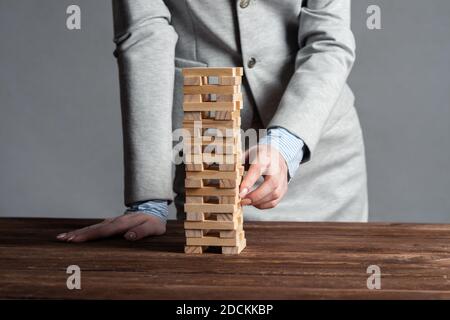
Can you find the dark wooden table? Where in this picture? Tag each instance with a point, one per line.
(281, 261)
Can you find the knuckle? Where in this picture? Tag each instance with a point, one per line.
(273, 182)
(276, 193)
(273, 203)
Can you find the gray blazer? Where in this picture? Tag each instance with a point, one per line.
(296, 57)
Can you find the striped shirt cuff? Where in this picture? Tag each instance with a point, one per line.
(289, 145)
(158, 208)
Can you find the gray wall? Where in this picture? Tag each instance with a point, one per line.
(60, 135)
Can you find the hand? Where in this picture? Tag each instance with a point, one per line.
(268, 162)
(134, 226)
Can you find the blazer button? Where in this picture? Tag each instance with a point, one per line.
(244, 3)
(251, 62)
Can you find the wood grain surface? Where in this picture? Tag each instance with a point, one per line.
(281, 261)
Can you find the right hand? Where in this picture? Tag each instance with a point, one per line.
(134, 226)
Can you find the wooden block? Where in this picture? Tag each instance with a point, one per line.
(210, 225)
(224, 217)
(230, 81)
(213, 72)
(228, 167)
(236, 249)
(212, 241)
(192, 81)
(211, 191)
(194, 167)
(191, 150)
(219, 158)
(194, 199)
(219, 146)
(192, 98)
(213, 174)
(193, 183)
(224, 149)
(191, 131)
(193, 233)
(193, 249)
(211, 89)
(211, 123)
(234, 199)
(192, 116)
(208, 207)
(226, 183)
(223, 115)
(238, 220)
(196, 216)
(228, 233)
(212, 106)
(191, 157)
(229, 97)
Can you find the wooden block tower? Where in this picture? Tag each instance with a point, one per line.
(212, 150)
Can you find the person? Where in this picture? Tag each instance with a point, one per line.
(296, 57)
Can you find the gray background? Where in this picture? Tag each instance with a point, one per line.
(60, 134)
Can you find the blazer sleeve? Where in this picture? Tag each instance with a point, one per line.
(323, 62)
(145, 51)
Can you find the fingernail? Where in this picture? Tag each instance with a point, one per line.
(130, 236)
(243, 192)
(61, 236)
(246, 202)
(71, 238)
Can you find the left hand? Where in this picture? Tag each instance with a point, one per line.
(268, 162)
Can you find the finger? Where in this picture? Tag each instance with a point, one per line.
(277, 193)
(118, 225)
(269, 205)
(264, 190)
(70, 234)
(253, 174)
(145, 229)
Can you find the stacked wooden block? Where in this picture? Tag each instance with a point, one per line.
(212, 151)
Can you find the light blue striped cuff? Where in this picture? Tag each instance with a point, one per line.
(289, 145)
(158, 208)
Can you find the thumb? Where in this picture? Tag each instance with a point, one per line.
(253, 174)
